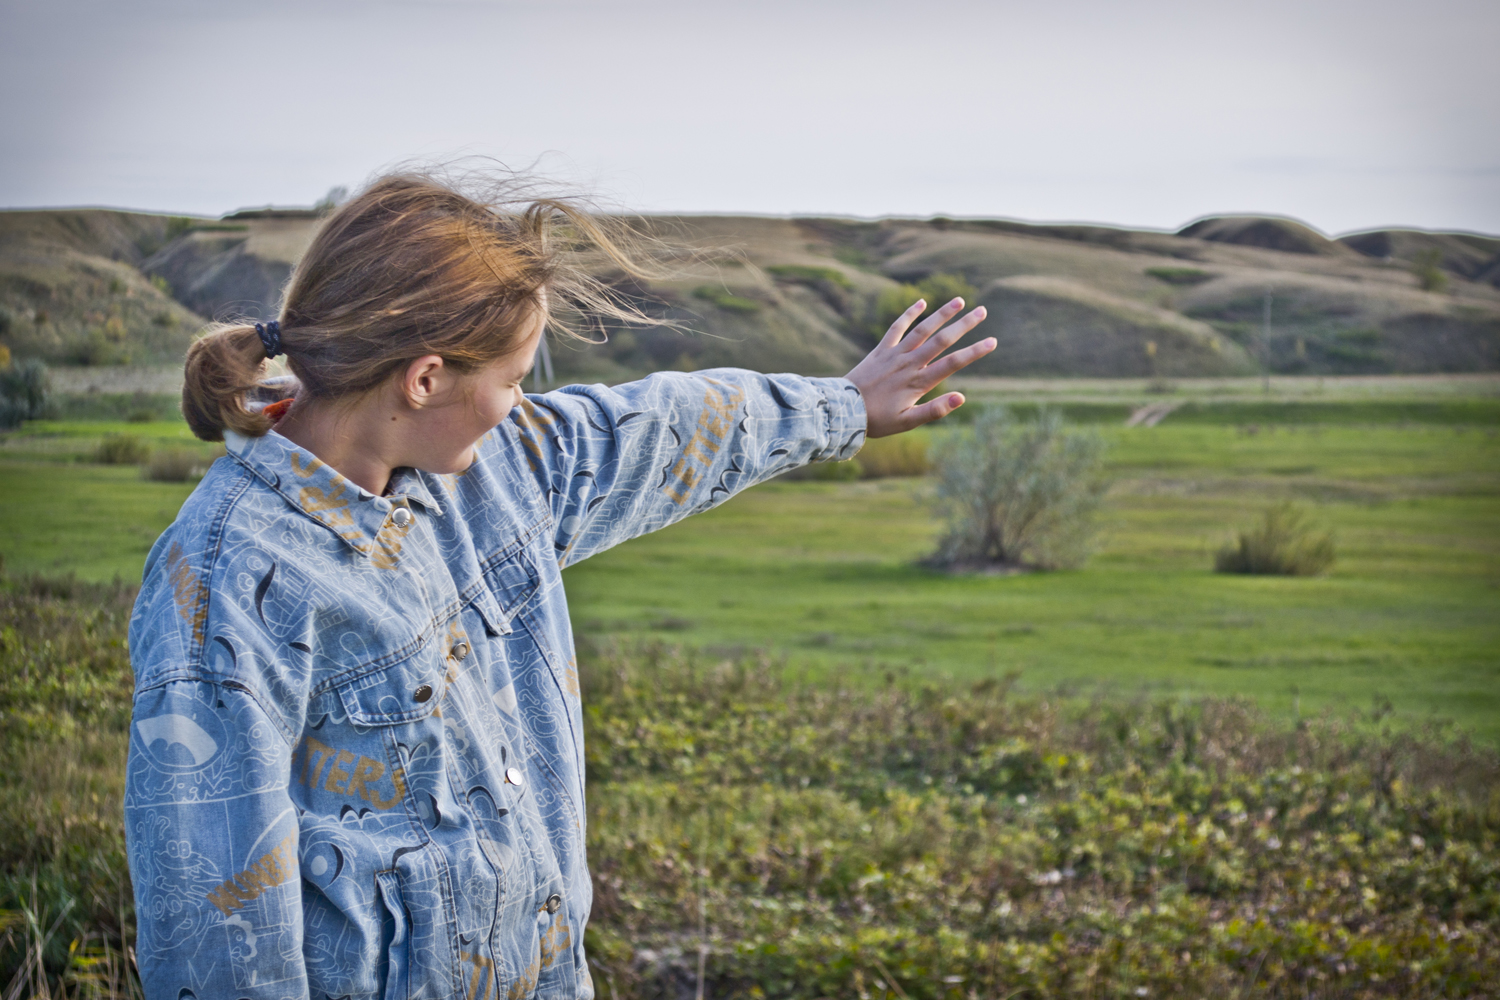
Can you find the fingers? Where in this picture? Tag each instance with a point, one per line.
(950, 335)
(943, 367)
(898, 329)
(932, 324)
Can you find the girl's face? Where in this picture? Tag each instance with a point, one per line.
(479, 402)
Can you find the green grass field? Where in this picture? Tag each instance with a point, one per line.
(826, 574)
(61, 514)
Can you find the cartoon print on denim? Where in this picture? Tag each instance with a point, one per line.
(356, 763)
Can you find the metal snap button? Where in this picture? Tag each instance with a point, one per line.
(460, 650)
(422, 693)
(401, 516)
(513, 776)
(554, 903)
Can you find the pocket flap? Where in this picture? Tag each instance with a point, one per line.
(496, 622)
(403, 692)
(513, 584)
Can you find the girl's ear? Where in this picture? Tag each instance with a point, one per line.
(426, 381)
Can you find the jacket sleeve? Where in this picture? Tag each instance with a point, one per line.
(618, 462)
(211, 831)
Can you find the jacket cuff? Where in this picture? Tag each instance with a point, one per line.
(844, 411)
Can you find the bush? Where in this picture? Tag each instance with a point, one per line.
(804, 274)
(1427, 266)
(175, 465)
(901, 455)
(939, 289)
(23, 392)
(1179, 275)
(121, 449)
(936, 289)
(1284, 544)
(825, 472)
(726, 300)
(1018, 494)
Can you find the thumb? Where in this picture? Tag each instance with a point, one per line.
(933, 409)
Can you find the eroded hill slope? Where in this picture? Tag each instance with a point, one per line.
(809, 295)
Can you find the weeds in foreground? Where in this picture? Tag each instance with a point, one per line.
(756, 836)
(1285, 543)
(950, 842)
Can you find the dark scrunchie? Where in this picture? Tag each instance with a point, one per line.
(270, 338)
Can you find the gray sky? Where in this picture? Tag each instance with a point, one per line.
(1349, 115)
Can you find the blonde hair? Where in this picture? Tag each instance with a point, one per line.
(412, 266)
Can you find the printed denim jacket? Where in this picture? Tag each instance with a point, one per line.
(356, 762)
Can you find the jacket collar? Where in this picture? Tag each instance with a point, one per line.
(309, 485)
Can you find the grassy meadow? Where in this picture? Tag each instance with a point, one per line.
(827, 575)
(820, 769)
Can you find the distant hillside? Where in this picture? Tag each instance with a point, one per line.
(72, 290)
(99, 287)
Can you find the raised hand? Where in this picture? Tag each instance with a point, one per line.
(904, 366)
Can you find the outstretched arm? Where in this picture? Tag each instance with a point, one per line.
(906, 365)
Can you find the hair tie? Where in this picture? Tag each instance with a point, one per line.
(270, 338)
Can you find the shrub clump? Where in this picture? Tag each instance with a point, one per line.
(1285, 543)
(1179, 275)
(936, 290)
(725, 299)
(881, 458)
(121, 449)
(175, 465)
(899, 455)
(1427, 267)
(1018, 494)
(805, 274)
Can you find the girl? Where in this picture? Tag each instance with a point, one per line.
(356, 762)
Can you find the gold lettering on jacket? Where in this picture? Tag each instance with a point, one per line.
(719, 405)
(274, 868)
(355, 782)
(483, 978)
(188, 591)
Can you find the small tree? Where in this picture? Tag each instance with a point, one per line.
(23, 392)
(1018, 494)
(1427, 265)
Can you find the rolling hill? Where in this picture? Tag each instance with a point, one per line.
(98, 287)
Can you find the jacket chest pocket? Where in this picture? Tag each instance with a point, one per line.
(357, 722)
(406, 691)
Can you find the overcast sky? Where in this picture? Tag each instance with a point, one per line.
(1349, 115)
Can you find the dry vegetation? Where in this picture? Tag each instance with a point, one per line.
(1285, 543)
(817, 840)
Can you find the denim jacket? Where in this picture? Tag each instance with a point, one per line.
(356, 761)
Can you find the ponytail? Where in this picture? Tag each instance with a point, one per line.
(411, 266)
(223, 367)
